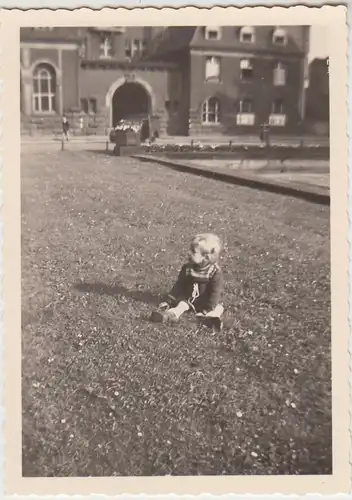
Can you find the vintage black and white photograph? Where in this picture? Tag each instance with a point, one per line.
(175, 250)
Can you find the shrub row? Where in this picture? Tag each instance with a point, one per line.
(252, 152)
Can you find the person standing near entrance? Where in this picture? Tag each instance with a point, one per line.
(265, 134)
(81, 125)
(65, 127)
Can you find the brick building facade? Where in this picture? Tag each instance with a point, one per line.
(317, 97)
(191, 80)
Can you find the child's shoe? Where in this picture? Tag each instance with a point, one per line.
(164, 317)
(211, 322)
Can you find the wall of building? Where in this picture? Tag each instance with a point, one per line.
(317, 98)
(94, 83)
(230, 89)
(48, 54)
(119, 41)
(70, 81)
(93, 42)
(75, 83)
(65, 64)
(30, 57)
(178, 94)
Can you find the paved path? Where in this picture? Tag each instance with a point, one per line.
(300, 172)
(245, 140)
(264, 164)
(292, 184)
(303, 179)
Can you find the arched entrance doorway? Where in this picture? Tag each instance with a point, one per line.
(129, 100)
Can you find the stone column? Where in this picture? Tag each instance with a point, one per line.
(26, 57)
(59, 98)
(27, 89)
(27, 82)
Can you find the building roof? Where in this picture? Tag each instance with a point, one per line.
(230, 40)
(178, 38)
(52, 34)
(172, 39)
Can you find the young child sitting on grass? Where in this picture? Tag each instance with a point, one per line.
(199, 286)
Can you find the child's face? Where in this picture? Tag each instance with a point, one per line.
(197, 256)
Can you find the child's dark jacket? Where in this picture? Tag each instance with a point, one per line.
(203, 290)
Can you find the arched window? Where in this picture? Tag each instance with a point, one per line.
(211, 110)
(44, 89)
(247, 34)
(279, 36)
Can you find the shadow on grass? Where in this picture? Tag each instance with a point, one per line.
(115, 290)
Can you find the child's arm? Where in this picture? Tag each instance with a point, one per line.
(215, 290)
(175, 295)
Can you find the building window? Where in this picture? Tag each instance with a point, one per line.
(106, 48)
(92, 106)
(84, 105)
(135, 47)
(277, 117)
(128, 50)
(212, 69)
(44, 87)
(279, 75)
(82, 51)
(279, 37)
(247, 34)
(212, 32)
(245, 106)
(89, 106)
(211, 111)
(245, 115)
(246, 67)
(277, 107)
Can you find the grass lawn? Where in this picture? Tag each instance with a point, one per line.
(105, 392)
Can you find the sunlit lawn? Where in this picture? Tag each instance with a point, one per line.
(105, 392)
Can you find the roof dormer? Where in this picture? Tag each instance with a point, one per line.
(212, 32)
(247, 34)
(279, 37)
